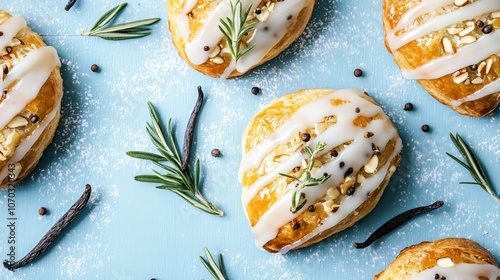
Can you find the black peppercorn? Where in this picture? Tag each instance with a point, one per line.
(258, 11)
(341, 164)
(357, 110)
(215, 153)
(408, 106)
(487, 29)
(4, 92)
(35, 119)
(348, 172)
(426, 128)
(289, 17)
(473, 67)
(255, 90)
(94, 68)
(206, 48)
(311, 208)
(8, 49)
(350, 191)
(358, 72)
(479, 24)
(306, 137)
(1, 33)
(334, 153)
(42, 211)
(436, 276)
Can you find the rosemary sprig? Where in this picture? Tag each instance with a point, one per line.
(183, 183)
(123, 31)
(298, 201)
(237, 27)
(217, 270)
(472, 165)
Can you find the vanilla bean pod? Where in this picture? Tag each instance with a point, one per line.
(70, 4)
(52, 234)
(189, 134)
(396, 222)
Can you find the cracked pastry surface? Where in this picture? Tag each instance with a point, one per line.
(362, 151)
(450, 47)
(30, 102)
(194, 25)
(449, 258)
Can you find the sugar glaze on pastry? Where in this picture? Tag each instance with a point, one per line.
(31, 86)
(458, 48)
(464, 271)
(202, 43)
(362, 151)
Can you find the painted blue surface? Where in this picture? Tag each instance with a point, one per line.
(131, 230)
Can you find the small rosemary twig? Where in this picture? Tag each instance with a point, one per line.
(183, 183)
(473, 165)
(298, 201)
(235, 28)
(217, 270)
(123, 31)
(53, 233)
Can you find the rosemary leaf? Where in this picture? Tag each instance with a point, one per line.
(183, 183)
(473, 165)
(217, 271)
(122, 31)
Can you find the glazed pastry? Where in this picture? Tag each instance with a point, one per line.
(362, 151)
(450, 47)
(194, 25)
(30, 101)
(450, 258)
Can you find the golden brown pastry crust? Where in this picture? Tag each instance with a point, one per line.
(48, 98)
(264, 124)
(417, 258)
(444, 89)
(200, 12)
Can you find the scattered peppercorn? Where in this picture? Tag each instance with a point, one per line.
(4, 92)
(35, 119)
(258, 11)
(473, 67)
(357, 110)
(341, 164)
(436, 276)
(8, 49)
(369, 134)
(215, 153)
(289, 17)
(348, 172)
(306, 137)
(295, 224)
(296, 169)
(5, 69)
(206, 48)
(408, 107)
(350, 191)
(1, 33)
(311, 208)
(358, 72)
(479, 24)
(334, 153)
(94, 68)
(42, 211)
(255, 90)
(426, 128)
(487, 29)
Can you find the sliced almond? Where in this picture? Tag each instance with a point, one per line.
(331, 119)
(470, 27)
(460, 3)
(467, 40)
(360, 178)
(333, 193)
(445, 262)
(454, 30)
(477, 81)
(217, 60)
(392, 169)
(320, 128)
(495, 14)
(480, 68)
(271, 7)
(281, 158)
(467, 82)
(448, 47)
(17, 170)
(264, 15)
(348, 182)
(489, 62)
(17, 121)
(371, 165)
(215, 51)
(460, 78)
(328, 206)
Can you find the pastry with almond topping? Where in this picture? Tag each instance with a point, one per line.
(450, 47)
(30, 102)
(449, 258)
(314, 163)
(220, 39)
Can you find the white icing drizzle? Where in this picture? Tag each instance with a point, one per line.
(31, 72)
(267, 34)
(10, 28)
(461, 271)
(29, 141)
(354, 156)
(465, 56)
(469, 11)
(485, 91)
(470, 54)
